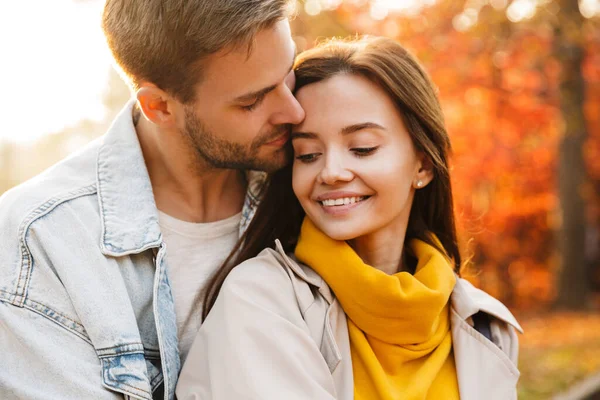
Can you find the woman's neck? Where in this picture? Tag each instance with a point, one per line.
(382, 250)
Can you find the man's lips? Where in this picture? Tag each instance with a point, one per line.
(280, 140)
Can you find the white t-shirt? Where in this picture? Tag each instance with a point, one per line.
(194, 252)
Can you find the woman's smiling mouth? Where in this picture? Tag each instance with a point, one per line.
(341, 201)
(340, 204)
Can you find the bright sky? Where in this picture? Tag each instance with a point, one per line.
(54, 66)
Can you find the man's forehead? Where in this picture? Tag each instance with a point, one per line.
(234, 73)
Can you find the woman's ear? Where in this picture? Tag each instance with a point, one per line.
(424, 173)
(156, 105)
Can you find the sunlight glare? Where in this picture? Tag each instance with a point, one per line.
(589, 8)
(521, 9)
(403, 6)
(55, 66)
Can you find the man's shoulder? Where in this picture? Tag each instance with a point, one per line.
(34, 202)
(68, 179)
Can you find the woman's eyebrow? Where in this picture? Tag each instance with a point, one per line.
(304, 135)
(347, 130)
(359, 127)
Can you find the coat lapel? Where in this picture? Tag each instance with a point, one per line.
(484, 370)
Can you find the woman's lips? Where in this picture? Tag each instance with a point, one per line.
(341, 209)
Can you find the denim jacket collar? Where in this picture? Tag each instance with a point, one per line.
(127, 207)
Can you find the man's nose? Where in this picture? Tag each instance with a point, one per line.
(289, 109)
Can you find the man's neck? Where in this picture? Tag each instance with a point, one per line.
(184, 186)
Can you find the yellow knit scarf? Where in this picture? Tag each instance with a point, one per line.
(398, 324)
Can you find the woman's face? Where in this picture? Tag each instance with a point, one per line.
(355, 166)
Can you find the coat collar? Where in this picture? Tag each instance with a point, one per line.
(305, 273)
(480, 364)
(127, 207)
(467, 301)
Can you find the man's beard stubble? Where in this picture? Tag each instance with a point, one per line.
(223, 154)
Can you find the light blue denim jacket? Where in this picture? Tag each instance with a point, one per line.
(86, 310)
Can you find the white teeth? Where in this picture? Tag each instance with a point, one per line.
(342, 201)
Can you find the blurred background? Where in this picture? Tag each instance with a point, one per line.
(519, 83)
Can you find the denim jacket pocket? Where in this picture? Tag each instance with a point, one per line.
(127, 374)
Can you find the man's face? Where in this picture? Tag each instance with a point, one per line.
(244, 106)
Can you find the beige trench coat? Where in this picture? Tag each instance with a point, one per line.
(277, 332)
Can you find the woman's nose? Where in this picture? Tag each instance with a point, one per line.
(334, 171)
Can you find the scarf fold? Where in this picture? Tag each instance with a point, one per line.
(399, 325)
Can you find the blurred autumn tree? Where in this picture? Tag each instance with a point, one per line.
(518, 86)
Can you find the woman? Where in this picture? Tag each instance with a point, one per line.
(357, 293)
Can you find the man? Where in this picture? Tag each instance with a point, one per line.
(102, 256)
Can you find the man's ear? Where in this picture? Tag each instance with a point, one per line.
(156, 105)
(424, 173)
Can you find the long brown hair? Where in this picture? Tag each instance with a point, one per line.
(387, 64)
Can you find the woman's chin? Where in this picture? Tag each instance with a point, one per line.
(340, 231)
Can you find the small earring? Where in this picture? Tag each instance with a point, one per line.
(419, 183)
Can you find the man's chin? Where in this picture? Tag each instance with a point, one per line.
(273, 161)
(271, 165)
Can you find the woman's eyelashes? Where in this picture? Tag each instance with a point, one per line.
(364, 151)
(360, 152)
(307, 158)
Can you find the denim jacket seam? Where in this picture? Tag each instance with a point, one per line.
(53, 316)
(124, 353)
(38, 212)
(100, 200)
(121, 349)
(34, 306)
(158, 275)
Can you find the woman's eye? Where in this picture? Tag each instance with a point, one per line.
(307, 158)
(364, 151)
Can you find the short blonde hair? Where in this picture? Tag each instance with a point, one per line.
(164, 42)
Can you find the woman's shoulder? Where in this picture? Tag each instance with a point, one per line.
(264, 273)
(467, 300)
(272, 279)
(267, 263)
(488, 316)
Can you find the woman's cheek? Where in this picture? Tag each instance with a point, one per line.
(299, 184)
